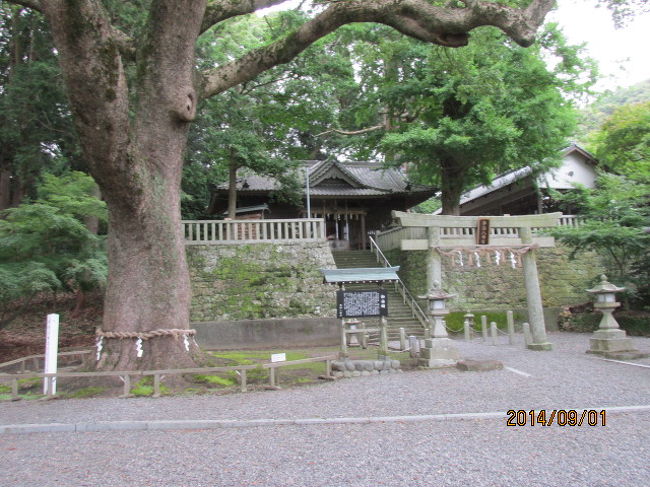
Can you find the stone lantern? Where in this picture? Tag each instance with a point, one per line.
(439, 350)
(609, 339)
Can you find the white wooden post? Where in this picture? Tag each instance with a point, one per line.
(344, 340)
(51, 350)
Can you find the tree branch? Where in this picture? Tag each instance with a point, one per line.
(33, 4)
(249, 89)
(416, 18)
(218, 10)
(353, 132)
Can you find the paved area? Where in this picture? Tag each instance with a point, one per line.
(419, 428)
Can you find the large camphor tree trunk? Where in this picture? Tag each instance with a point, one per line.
(137, 162)
(134, 137)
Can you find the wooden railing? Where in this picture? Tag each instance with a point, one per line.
(407, 297)
(215, 232)
(159, 375)
(37, 360)
(392, 238)
(571, 221)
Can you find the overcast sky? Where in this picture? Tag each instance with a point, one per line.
(623, 55)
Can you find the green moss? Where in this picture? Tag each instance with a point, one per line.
(85, 392)
(244, 357)
(215, 380)
(4, 389)
(25, 384)
(144, 387)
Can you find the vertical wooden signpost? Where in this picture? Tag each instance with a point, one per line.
(51, 351)
(503, 238)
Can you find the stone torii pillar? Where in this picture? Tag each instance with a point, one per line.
(498, 233)
(533, 294)
(434, 259)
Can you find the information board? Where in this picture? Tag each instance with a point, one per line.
(357, 304)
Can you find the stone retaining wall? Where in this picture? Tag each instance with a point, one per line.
(256, 281)
(491, 287)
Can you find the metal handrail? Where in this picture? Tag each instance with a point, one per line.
(406, 295)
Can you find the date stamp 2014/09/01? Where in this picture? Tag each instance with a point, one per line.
(560, 417)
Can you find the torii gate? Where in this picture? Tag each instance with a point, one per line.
(510, 236)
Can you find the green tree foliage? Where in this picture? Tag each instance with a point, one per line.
(595, 114)
(617, 215)
(622, 145)
(462, 116)
(267, 124)
(36, 132)
(45, 245)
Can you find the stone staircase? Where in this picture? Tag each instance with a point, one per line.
(399, 313)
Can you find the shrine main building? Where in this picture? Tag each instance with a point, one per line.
(354, 198)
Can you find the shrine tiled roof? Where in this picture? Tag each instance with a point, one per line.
(333, 178)
(365, 274)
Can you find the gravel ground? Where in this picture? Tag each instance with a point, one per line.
(454, 452)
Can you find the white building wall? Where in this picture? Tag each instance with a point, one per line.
(574, 169)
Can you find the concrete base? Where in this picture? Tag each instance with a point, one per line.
(438, 352)
(540, 346)
(269, 333)
(610, 340)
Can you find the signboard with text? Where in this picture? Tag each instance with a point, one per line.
(483, 231)
(358, 304)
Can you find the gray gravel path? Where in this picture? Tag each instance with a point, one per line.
(460, 452)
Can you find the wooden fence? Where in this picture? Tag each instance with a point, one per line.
(159, 375)
(215, 232)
